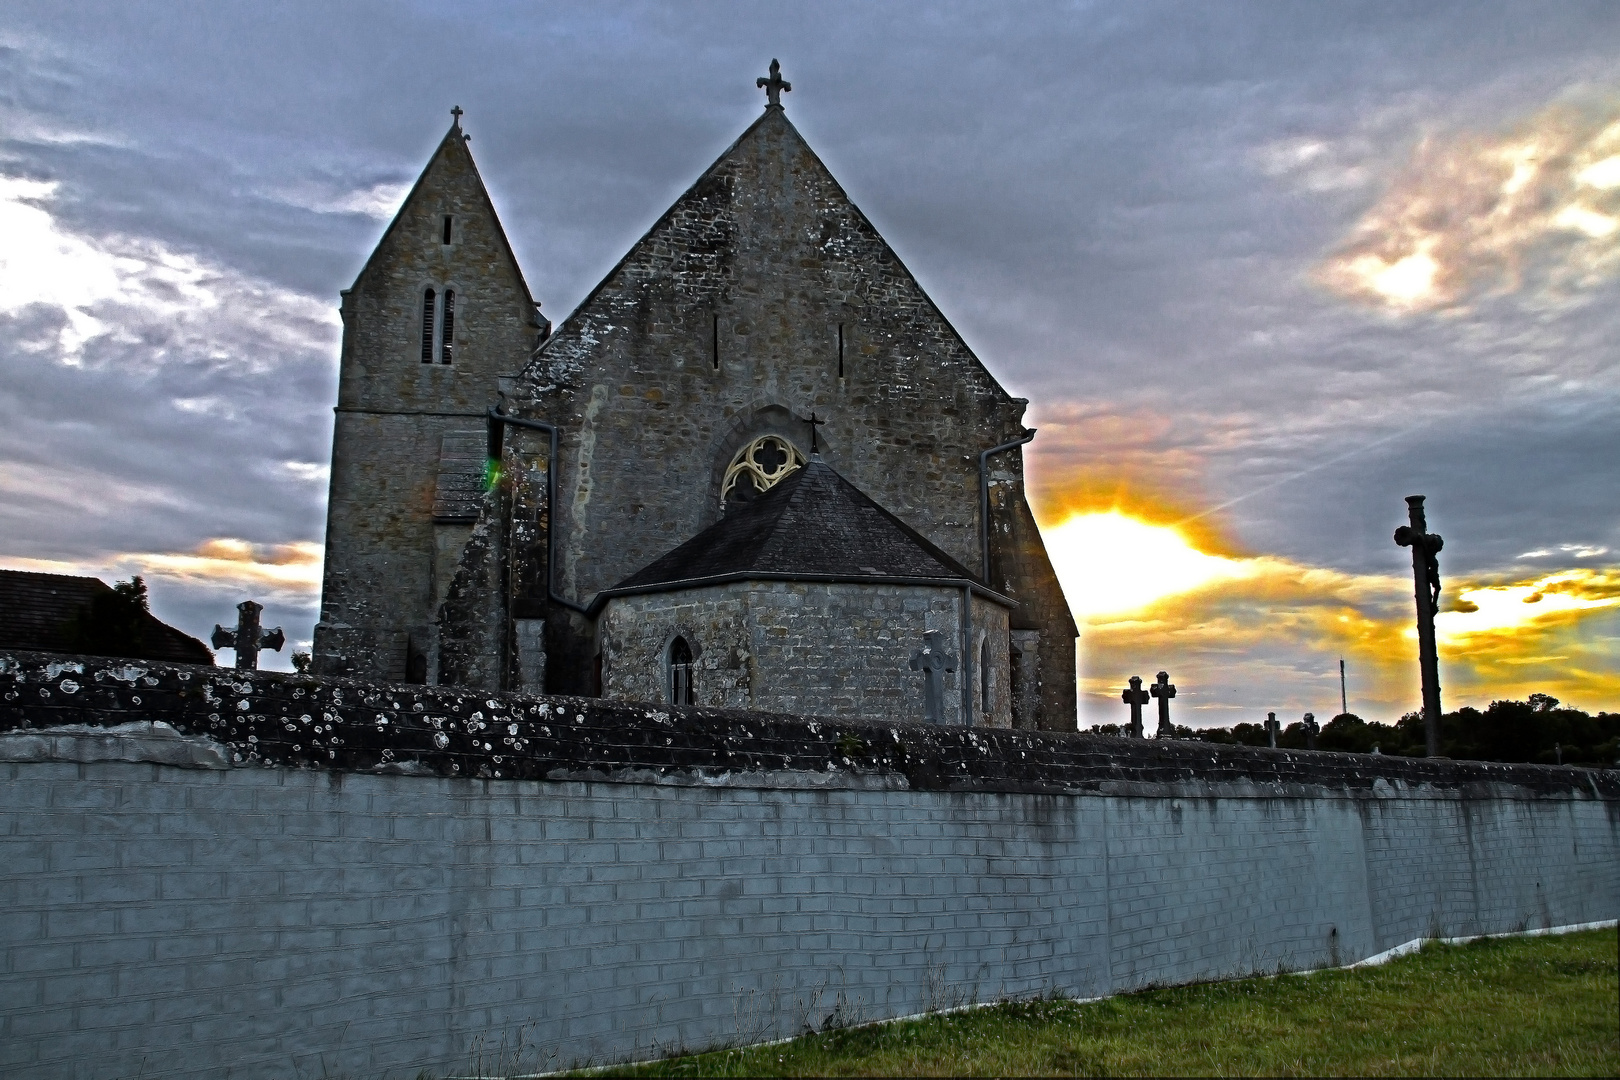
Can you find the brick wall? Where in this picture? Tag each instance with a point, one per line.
(192, 888)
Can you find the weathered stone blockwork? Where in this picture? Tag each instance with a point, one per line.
(389, 559)
(758, 645)
(763, 296)
(595, 879)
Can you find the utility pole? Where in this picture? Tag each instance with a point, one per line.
(1344, 702)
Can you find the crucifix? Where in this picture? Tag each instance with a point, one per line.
(1135, 697)
(815, 447)
(1164, 691)
(1426, 585)
(774, 86)
(1272, 727)
(247, 639)
(933, 661)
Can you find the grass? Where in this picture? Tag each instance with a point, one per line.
(1542, 1006)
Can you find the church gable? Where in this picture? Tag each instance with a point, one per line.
(762, 296)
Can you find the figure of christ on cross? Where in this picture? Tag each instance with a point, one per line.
(1164, 691)
(933, 661)
(1135, 697)
(1426, 547)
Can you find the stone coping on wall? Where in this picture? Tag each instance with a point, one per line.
(82, 708)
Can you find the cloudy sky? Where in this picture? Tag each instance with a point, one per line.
(1263, 269)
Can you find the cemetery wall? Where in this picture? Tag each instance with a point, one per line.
(207, 871)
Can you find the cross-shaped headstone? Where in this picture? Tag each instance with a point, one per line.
(933, 661)
(815, 446)
(456, 115)
(1164, 691)
(1135, 697)
(1272, 727)
(247, 639)
(1311, 730)
(774, 86)
(1426, 585)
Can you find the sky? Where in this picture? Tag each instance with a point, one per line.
(1263, 270)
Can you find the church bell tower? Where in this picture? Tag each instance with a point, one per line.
(437, 315)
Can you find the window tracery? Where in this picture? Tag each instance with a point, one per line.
(758, 467)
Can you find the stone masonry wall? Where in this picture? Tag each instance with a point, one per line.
(385, 571)
(813, 649)
(207, 871)
(727, 321)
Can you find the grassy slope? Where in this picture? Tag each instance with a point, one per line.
(1521, 1006)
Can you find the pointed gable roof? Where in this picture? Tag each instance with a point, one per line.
(812, 526)
(453, 145)
(691, 237)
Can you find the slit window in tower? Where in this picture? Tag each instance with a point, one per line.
(447, 223)
(447, 339)
(840, 350)
(714, 342)
(427, 327)
(984, 678)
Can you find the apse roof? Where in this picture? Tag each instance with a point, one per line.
(811, 526)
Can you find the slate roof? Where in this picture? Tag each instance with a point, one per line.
(37, 610)
(813, 525)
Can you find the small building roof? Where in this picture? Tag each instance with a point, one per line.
(811, 526)
(38, 613)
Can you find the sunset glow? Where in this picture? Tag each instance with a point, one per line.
(1111, 564)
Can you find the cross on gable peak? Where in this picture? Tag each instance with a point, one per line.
(774, 86)
(455, 114)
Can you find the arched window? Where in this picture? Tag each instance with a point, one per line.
(680, 672)
(448, 336)
(984, 678)
(758, 467)
(427, 326)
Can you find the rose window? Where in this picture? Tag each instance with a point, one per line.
(758, 467)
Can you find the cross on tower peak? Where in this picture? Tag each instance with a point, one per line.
(774, 86)
(456, 114)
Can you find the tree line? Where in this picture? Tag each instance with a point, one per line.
(1538, 730)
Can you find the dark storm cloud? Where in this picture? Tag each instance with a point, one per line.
(1121, 207)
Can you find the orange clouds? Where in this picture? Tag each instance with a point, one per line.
(1474, 212)
(286, 573)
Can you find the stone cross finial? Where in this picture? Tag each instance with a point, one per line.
(455, 113)
(247, 639)
(815, 446)
(1426, 586)
(933, 661)
(774, 86)
(1272, 727)
(1135, 697)
(1311, 730)
(1164, 691)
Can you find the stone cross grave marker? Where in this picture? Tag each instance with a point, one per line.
(1426, 584)
(1272, 727)
(1135, 697)
(1311, 730)
(247, 639)
(774, 86)
(933, 661)
(1164, 691)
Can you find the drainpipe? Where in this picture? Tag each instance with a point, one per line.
(967, 656)
(551, 504)
(984, 500)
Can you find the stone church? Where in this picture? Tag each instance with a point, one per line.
(755, 468)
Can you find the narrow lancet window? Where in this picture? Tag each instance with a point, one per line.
(984, 678)
(447, 341)
(447, 220)
(680, 672)
(840, 350)
(427, 326)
